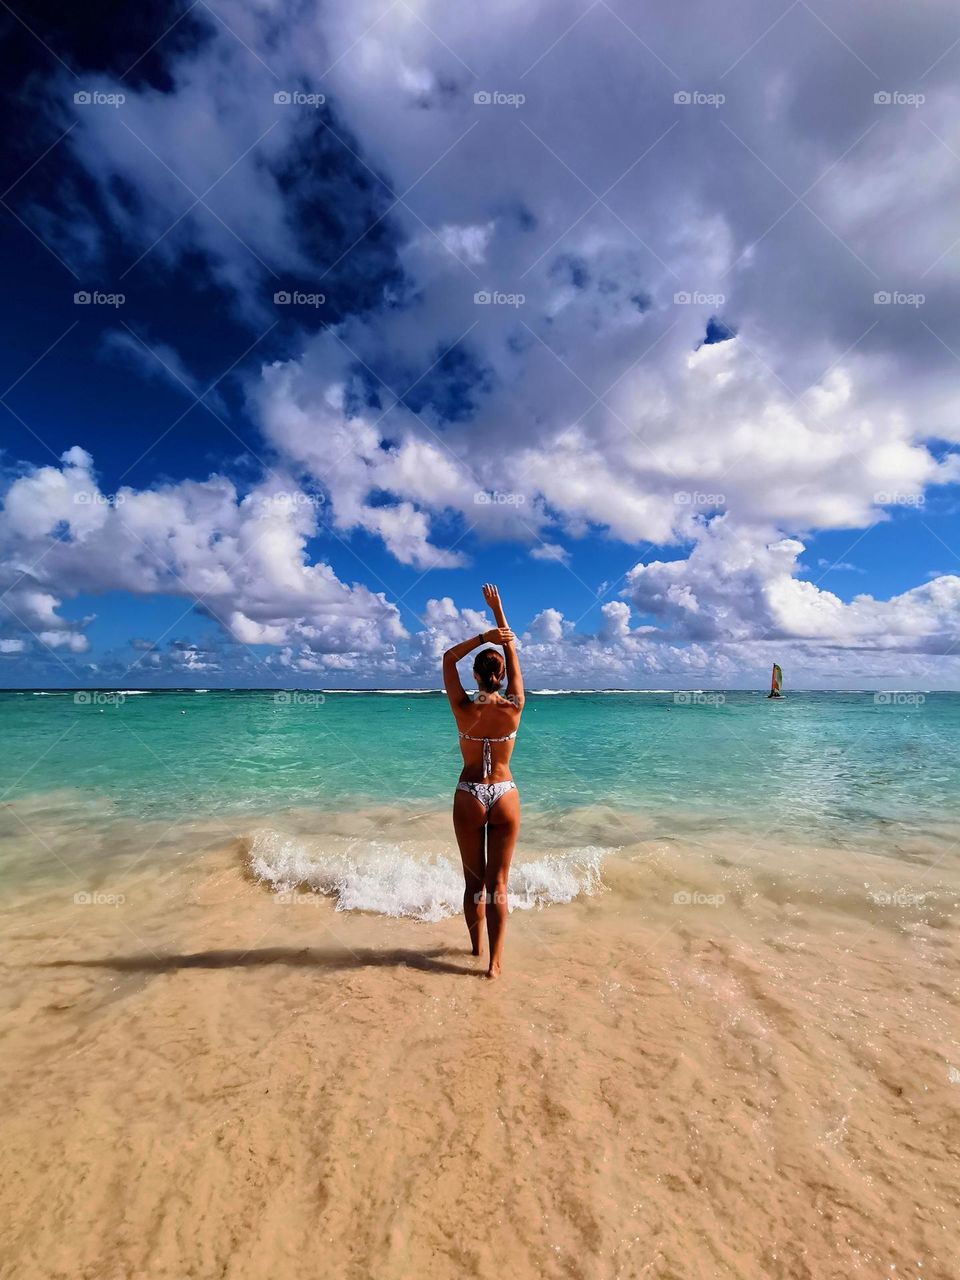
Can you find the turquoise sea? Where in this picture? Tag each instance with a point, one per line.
(817, 766)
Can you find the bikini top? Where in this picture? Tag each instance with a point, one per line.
(487, 753)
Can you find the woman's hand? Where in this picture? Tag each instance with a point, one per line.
(499, 635)
(492, 597)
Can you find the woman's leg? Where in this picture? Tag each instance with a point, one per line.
(502, 830)
(468, 820)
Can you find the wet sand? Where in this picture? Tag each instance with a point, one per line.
(213, 1080)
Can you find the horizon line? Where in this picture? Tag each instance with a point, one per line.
(434, 689)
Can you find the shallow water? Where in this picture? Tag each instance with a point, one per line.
(829, 769)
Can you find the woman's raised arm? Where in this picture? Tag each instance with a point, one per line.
(514, 679)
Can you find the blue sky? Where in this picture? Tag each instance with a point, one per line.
(204, 486)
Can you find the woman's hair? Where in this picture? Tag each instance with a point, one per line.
(489, 668)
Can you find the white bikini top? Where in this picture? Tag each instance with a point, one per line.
(487, 753)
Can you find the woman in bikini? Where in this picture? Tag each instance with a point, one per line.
(486, 803)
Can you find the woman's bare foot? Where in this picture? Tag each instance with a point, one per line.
(494, 971)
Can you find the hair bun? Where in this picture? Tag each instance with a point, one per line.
(489, 668)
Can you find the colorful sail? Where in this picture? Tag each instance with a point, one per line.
(776, 681)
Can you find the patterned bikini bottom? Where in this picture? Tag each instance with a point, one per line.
(488, 793)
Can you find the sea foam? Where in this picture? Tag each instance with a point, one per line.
(390, 880)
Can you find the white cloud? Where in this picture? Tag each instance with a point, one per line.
(350, 457)
(550, 551)
(743, 586)
(469, 243)
(548, 627)
(239, 560)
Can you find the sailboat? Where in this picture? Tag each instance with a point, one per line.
(776, 680)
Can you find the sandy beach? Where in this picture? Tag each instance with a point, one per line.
(698, 1071)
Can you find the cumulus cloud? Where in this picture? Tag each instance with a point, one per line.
(240, 560)
(352, 459)
(550, 551)
(548, 627)
(738, 587)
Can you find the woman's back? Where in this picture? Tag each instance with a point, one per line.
(487, 729)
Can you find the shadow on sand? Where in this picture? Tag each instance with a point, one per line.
(296, 958)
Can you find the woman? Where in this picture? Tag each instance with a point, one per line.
(486, 802)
